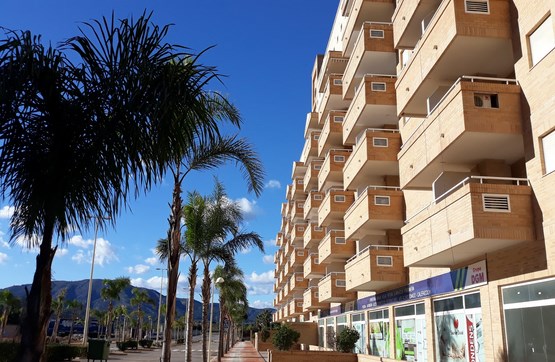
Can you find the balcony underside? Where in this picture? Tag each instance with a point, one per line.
(369, 173)
(371, 116)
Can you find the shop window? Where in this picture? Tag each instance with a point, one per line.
(410, 333)
(380, 338)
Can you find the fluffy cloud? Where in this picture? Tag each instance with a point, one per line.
(271, 242)
(138, 269)
(268, 259)
(273, 184)
(260, 304)
(62, 252)
(246, 250)
(249, 208)
(79, 257)
(78, 241)
(259, 290)
(266, 277)
(3, 258)
(154, 284)
(6, 212)
(105, 252)
(152, 260)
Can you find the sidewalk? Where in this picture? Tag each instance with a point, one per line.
(243, 351)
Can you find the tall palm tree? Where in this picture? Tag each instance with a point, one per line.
(80, 137)
(111, 291)
(224, 220)
(140, 297)
(233, 300)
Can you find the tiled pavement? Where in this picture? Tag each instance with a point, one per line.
(242, 351)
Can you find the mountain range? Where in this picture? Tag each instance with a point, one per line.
(78, 290)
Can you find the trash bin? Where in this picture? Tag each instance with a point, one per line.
(98, 349)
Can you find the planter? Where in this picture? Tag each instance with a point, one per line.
(311, 356)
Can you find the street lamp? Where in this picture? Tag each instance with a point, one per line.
(218, 281)
(186, 336)
(88, 309)
(159, 304)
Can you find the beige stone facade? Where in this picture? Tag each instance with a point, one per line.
(421, 211)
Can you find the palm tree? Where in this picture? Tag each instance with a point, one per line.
(140, 297)
(74, 307)
(102, 317)
(8, 302)
(80, 137)
(118, 312)
(233, 300)
(111, 291)
(224, 219)
(58, 306)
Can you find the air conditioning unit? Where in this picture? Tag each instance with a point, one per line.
(482, 100)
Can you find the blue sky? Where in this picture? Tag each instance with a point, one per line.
(266, 49)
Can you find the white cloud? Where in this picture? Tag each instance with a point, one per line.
(105, 252)
(260, 304)
(62, 252)
(259, 290)
(30, 245)
(268, 259)
(246, 250)
(3, 258)
(249, 208)
(152, 260)
(154, 283)
(3, 242)
(6, 212)
(273, 184)
(138, 269)
(271, 242)
(266, 277)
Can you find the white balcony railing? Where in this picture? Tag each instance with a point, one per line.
(375, 247)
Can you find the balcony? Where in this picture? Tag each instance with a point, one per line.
(311, 123)
(295, 307)
(333, 207)
(298, 283)
(331, 289)
(311, 176)
(373, 54)
(360, 11)
(297, 189)
(376, 209)
(477, 216)
(311, 205)
(331, 136)
(297, 213)
(333, 62)
(331, 174)
(297, 258)
(476, 119)
(454, 43)
(373, 106)
(299, 169)
(310, 149)
(332, 96)
(376, 268)
(312, 236)
(279, 240)
(311, 301)
(408, 20)
(298, 233)
(374, 156)
(334, 247)
(312, 268)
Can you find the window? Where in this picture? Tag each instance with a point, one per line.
(338, 119)
(317, 197)
(317, 167)
(318, 228)
(316, 261)
(337, 82)
(382, 200)
(340, 282)
(300, 181)
(316, 137)
(299, 278)
(548, 150)
(476, 6)
(300, 205)
(338, 158)
(299, 304)
(378, 86)
(486, 100)
(339, 198)
(300, 228)
(384, 260)
(339, 240)
(541, 41)
(376, 33)
(380, 142)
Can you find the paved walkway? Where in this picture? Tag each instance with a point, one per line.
(243, 351)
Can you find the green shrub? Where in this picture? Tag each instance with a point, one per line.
(347, 339)
(123, 346)
(8, 351)
(63, 352)
(264, 335)
(145, 343)
(285, 337)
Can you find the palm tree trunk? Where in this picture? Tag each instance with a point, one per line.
(193, 269)
(4, 321)
(221, 336)
(206, 282)
(39, 300)
(174, 239)
(56, 326)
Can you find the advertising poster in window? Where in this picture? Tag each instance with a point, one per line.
(379, 338)
(459, 337)
(405, 340)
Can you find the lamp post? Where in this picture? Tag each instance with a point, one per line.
(218, 281)
(88, 308)
(186, 332)
(159, 304)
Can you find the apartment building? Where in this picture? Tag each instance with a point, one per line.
(421, 211)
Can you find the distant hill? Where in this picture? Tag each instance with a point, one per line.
(78, 290)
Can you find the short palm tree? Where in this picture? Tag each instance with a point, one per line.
(74, 307)
(140, 297)
(111, 291)
(58, 305)
(8, 303)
